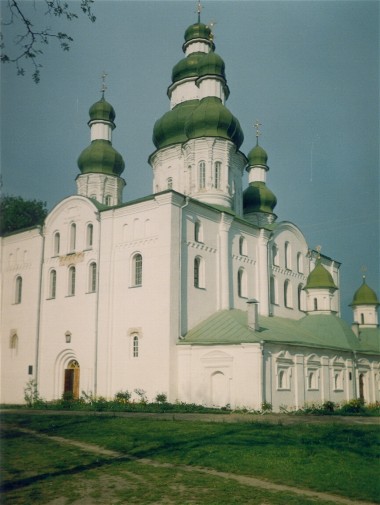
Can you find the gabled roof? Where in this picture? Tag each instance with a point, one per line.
(230, 327)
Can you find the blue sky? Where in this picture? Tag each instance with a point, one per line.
(308, 70)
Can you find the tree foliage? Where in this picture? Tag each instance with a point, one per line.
(17, 213)
(32, 37)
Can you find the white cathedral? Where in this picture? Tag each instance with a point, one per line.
(195, 291)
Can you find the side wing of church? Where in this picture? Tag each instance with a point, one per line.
(195, 291)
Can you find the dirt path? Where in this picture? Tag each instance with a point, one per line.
(241, 479)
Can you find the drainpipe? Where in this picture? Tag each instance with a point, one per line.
(262, 374)
(38, 325)
(97, 310)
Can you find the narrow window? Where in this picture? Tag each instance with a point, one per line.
(288, 294)
(170, 183)
(137, 270)
(281, 381)
(92, 278)
(135, 346)
(13, 342)
(300, 297)
(217, 174)
(362, 318)
(288, 263)
(57, 243)
(300, 263)
(53, 284)
(275, 255)
(72, 281)
(108, 200)
(90, 235)
(315, 304)
(198, 272)
(242, 246)
(73, 237)
(311, 380)
(18, 291)
(202, 175)
(242, 284)
(198, 232)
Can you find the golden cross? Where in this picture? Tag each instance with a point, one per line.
(199, 10)
(319, 249)
(258, 132)
(104, 87)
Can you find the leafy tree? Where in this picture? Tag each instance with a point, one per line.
(32, 37)
(17, 213)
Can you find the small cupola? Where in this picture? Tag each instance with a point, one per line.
(258, 200)
(364, 305)
(100, 164)
(320, 288)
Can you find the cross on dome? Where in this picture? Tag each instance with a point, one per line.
(104, 87)
(199, 10)
(258, 132)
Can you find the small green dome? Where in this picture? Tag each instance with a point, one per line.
(365, 296)
(320, 278)
(257, 156)
(187, 67)
(102, 111)
(212, 119)
(170, 128)
(211, 64)
(258, 198)
(101, 157)
(198, 31)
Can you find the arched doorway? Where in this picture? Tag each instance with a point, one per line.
(219, 389)
(361, 387)
(71, 380)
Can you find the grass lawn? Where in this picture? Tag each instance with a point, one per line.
(341, 459)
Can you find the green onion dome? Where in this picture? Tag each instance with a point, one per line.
(170, 128)
(320, 278)
(257, 157)
(258, 198)
(211, 64)
(102, 111)
(365, 296)
(187, 67)
(198, 31)
(100, 157)
(212, 119)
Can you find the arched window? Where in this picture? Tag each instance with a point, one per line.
(198, 235)
(288, 294)
(312, 379)
(300, 263)
(242, 246)
(72, 273)
(108, 200)
(52, 284)
(90, 235)
(135, 350)
(92, 278)
(288, 262)
(73, 236)
(170, 183)
(275, 255)
(13, 341)
(281, 379)
(18, 290)
(56, 243)
(300, 297)
(217, 174)
(202, 175)
(198, 272)
(242, 283)
(137, 270)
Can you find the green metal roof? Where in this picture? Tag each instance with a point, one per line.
(170, 128)
(102, 110)
(101, 157)
(258, 198)
(320, 278)
(198, 31)
(365, 296)
(257, 156)
(321, 331)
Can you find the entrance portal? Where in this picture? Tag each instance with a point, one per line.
(361, 387)
(71, 383)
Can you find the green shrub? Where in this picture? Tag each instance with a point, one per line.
(355, 406)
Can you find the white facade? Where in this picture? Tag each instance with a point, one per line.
(153, 294)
